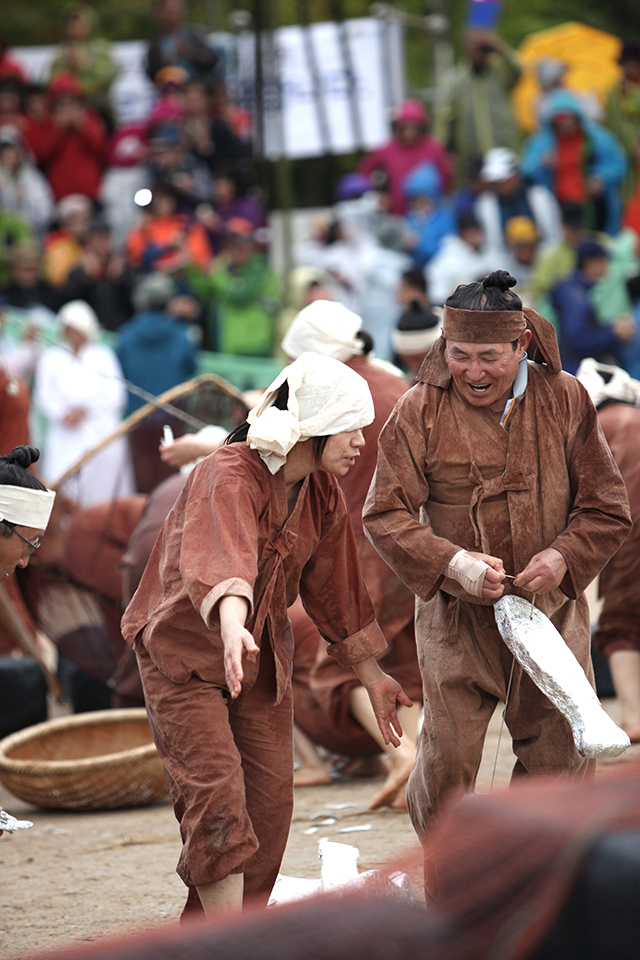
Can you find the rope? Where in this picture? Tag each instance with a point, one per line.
(131, 387)
(182, 389)
(502, 722)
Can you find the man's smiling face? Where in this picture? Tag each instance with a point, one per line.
(484, 372)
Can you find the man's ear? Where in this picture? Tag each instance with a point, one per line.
(525, 340)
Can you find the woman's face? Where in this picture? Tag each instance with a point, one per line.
(340, 452)
(75, 338)
(14, 551)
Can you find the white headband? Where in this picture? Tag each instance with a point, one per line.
(325, 397)
(26, 507)
(324, 327)
(415, 341)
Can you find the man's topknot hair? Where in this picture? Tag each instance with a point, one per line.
(492, 293)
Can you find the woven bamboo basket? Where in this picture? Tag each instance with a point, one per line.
(91, 761)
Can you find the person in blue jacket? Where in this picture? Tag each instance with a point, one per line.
(579, 160)
(156, 350)
(429, 218)
(580, 333)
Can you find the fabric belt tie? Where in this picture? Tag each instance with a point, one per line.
(514, 480)
(277, 550)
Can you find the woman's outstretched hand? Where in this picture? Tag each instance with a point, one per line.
(236, 640)
(384, 693)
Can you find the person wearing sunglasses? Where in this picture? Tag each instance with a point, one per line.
(25, 508)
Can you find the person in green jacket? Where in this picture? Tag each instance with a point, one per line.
(13, 231)
(474, 113)
(241, 292)
(87, 57)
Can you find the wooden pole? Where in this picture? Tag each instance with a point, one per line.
(174, 393)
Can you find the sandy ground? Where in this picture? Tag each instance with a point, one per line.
(83, 876)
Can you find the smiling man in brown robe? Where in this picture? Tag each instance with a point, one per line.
(492, 466)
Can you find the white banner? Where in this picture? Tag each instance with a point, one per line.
(328, 88)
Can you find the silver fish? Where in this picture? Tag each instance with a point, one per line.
(541, 651)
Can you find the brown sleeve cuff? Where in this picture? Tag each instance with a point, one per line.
(235, 587)
(368, 642)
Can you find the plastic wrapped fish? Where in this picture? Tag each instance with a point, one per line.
(9, 823)
(540, 650)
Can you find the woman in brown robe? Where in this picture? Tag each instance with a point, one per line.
(257, 523)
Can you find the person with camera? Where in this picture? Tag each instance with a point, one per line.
(475, 113)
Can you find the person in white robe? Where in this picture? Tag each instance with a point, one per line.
(79, 391)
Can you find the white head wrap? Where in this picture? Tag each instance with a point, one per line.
(80, 316)
(604, 382)
(325, 397)
(26, 507)
(325, 327)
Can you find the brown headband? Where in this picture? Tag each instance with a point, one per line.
(482, 326)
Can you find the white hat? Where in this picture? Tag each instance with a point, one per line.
(549, 71)
(500, 163)
(325, 398)
(81, 317)
(72, 204)
(324, 327)
(604, 382)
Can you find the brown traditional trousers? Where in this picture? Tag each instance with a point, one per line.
(463, 682)
(232, 784)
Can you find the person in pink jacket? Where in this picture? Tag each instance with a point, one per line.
(409, 146)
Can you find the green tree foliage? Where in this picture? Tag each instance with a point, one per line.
(519, 19)
(40, 21)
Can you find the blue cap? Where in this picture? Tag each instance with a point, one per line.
(590, 250)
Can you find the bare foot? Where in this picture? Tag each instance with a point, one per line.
(311, 777)
(395, 785)
(400, 802)
(634, 735)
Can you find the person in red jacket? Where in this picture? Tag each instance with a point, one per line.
(70, 142)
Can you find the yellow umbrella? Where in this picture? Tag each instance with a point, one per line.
(591, 56)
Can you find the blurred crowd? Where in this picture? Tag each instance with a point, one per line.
(90, 209)
(129, 248)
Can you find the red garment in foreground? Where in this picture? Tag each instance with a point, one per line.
(501, 868)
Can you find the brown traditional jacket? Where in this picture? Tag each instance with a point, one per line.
(450, 477)
(228, 534)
